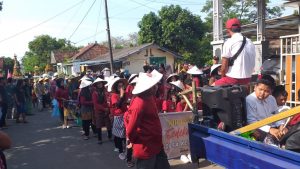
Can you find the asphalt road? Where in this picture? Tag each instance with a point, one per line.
(43, 144)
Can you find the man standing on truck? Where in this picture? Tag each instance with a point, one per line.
(238, 57)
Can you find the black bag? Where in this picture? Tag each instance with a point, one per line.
(233, 58)
(292, 138)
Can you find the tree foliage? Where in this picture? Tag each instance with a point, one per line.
(40, 51)
(8, 65)
(176, 29)
(245, 10)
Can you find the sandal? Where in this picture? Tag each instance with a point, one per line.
(130, 164)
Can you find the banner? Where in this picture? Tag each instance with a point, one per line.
(175, 133)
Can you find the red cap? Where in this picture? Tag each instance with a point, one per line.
(233, 23)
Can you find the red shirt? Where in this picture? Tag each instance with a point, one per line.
(83, 101)
(295, 120)
(180, 107)
(115, 110)
(197, 81)
(143, 127)
(99, 107)
(60, 94)
(168, 106)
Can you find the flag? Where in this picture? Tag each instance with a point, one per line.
(9, 75)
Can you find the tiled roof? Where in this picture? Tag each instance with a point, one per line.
(90, 52)
(60, 56)
(119, 54)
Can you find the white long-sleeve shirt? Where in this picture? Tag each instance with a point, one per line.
(261, 109)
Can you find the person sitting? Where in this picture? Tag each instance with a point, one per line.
(215, 74)
(260, 105)
(169, 105)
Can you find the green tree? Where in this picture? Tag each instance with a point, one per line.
(245, 10)
(176, 29)
(150, 29)
(8, 65)
(40, 51)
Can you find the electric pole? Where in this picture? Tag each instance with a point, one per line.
(109, 40)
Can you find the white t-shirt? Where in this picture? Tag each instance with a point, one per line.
(243, 66)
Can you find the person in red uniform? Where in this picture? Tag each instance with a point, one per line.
(101, 109)
(181, 105)
(130, 86)
(61, 94)
(118, 108)
(143, 126)
(86, 107)
(169, 105)
(195, 72)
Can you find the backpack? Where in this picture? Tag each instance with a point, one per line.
(292, 138)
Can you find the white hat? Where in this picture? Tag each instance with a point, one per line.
(45, 75)
(84, 78)
(132, 76)
(100, 80)
(114, 81)
(85, 83)
(213, 67)
(172, 75)
(109, 80)
(55, 74)
(105, 69)
(134, 80)
(195, 71)
(146, 81)
(178, 84)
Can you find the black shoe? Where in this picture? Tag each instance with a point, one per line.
(99, 141)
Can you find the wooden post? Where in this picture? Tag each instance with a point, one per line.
(195, 105)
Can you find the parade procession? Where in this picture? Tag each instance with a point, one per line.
(215, 89)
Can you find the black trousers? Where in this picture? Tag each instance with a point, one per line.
(129, 154)
(86, 127)
(3, 117)
(159, 161)
(119, 143)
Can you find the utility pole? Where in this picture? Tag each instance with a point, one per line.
(109, 40)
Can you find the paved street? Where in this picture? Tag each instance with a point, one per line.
(43, 144)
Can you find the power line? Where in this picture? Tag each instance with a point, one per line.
(129, 10)
(98, 19)
(37, 25)
(89, 37)
(143, 5)
(82, 20)
(71, 19)
(176, 2)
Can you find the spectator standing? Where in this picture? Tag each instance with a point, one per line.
(20, 101)
(4, 103)
(143, 126)
(101, 109)
(86, 107)
(118, 108)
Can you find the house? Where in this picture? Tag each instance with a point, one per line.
(90, 52)
(65, 61)
(133, 58)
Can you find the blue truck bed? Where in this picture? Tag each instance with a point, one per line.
(235, 152)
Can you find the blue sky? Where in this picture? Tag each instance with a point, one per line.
(22, 17)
